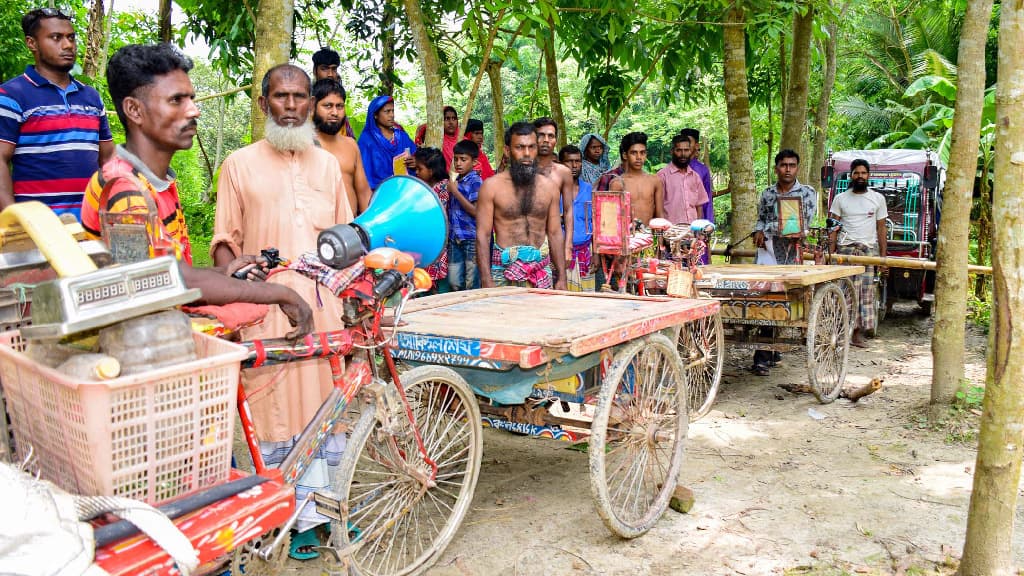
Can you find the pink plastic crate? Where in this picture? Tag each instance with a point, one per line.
(153, 436)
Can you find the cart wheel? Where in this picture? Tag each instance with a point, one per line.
(828, 342)
(881, 308)
(393, 524)
(700, 346)
(852, 299)
(637, 436)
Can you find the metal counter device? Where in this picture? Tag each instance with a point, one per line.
(106, 296)
(21, 270)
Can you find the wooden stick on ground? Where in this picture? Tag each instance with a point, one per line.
(856, 394)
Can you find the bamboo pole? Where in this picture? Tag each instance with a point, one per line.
(890, 261)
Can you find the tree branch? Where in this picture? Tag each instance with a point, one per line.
(224, 93)
(646, 16)
(484, 60)
(636, 87)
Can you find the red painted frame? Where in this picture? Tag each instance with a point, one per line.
(215, 530)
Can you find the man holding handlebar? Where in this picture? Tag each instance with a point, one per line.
(153, 97)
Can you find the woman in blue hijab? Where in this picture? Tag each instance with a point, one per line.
(382, 141)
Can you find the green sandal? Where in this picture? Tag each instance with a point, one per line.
(301, 540)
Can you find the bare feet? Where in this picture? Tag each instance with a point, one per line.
(857, 340)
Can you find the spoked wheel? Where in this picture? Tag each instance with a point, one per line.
(700, 346)
(396, 523)
(828, 342)
(637, 436)
(880, 305)
(852, 299)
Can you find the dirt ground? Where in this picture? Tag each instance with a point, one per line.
(783, 485)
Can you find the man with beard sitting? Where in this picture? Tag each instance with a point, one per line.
(282, 191)
(329, 119)
(520, 207)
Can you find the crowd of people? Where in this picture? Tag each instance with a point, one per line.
(527, 224)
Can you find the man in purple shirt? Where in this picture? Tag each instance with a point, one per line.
(705, 176)
(697, 166)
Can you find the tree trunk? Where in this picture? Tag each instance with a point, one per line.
(783, 73)
(988, 547)
(387, 41)
(431, 72)
(741, 140)
(952, 250)
(794, 116)
(92, 62)
(102, 72)
(274, 26)
(498, 102)
(821, 114)
(554, 93)
(485, 58)
(164, 18)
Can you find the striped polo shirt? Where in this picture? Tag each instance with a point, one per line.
(56, 134)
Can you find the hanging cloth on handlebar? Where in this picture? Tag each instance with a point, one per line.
(310, 266)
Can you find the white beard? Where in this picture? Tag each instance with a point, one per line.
(289, 138)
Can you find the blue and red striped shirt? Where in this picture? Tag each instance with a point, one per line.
(56, 134)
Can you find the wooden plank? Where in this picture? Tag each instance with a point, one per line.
(790, 275)
(618, 335)
(556, 321)
(438, 300)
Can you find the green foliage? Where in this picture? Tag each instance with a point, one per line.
(979, 311)
(970, 396)
(14, 56)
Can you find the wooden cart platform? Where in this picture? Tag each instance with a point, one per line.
(725, 276)
(497, 328)
(570, 365)
(815, 304)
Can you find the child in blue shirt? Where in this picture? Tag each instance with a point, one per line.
(462, 269)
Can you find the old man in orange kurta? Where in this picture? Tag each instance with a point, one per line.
(282, 191)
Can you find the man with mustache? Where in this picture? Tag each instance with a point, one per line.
(863, 213)
(519, 207)
(53, 129)
(329, 120)
(325, 67)
(685, 195)
(547, 138)
(154, 99)
(282, 191)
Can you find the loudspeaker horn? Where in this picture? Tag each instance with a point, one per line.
(404, 213)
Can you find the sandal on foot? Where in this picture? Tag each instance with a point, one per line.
(303, 544)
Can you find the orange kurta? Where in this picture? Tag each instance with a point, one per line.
(282, 199)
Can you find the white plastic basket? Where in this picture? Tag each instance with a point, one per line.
(152, 436)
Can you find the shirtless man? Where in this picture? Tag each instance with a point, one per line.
(520, 207)
(646, 191)
(548, 165)
(329, 119)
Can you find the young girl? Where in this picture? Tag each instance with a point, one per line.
(430, 167)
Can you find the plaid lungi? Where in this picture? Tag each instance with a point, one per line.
(864, 284)
(579, 275)
(526, 266)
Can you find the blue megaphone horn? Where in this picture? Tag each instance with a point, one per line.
(404, 213)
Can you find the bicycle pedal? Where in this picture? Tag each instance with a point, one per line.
(328, 504)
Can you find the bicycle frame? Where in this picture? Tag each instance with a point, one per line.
(346, 384)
